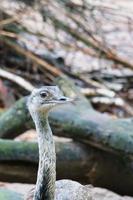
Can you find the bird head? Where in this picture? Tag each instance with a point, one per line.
(45, 98)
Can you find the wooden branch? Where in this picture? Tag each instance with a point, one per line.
(24, 155)
(107, 53)
(88, 39)
(78, 121)
(33, 57)
(17, 79)
(7, 21)
(18, 163)
(13, 122)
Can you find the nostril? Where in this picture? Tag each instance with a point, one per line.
(62, 99)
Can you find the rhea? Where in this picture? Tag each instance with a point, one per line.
(40, 103)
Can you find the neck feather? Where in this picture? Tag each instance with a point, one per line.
(45, 185)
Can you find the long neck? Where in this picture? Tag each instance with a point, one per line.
(45, 185)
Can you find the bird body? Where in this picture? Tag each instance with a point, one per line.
(68, 190)
(40, 102)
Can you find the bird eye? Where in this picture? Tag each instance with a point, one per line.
(43, 94)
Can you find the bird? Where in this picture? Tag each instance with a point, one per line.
(40, 102)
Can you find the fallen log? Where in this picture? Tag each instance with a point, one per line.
(18, 163)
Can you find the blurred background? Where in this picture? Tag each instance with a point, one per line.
(91, 43)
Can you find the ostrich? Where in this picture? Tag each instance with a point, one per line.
(40, 102)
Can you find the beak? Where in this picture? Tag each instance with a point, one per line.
(64, 99)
